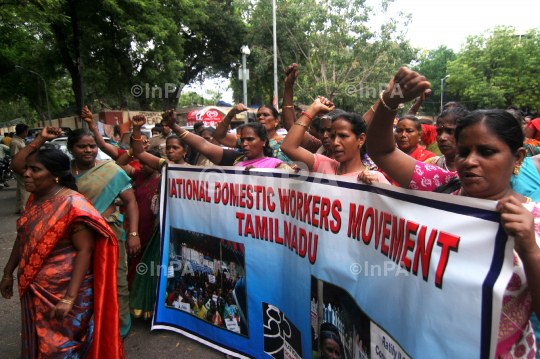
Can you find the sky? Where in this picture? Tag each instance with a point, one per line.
(439, 22)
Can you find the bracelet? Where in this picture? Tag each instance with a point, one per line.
(6, 278)
(372, 109)
(64, 300)
(129, 153)
(136, 139)
(301, 124)
(133, 234)
(287, 106)
(32, 145)
(303, 113)
(388, 107)
(182, 136)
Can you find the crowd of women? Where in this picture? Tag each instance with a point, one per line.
(85, 216)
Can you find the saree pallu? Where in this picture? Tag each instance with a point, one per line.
(101, 185)
(91, 327)
(145, 190)
(142, 296)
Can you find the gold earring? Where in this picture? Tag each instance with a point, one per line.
(517, 168)
(56, 179)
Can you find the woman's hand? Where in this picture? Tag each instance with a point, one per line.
(248, 168)
(138, 121)
(404, 87)
(50, 133)
(322, 106)
(6, 288)
(170, 117)
(133, 245)
(519, 223)
(291, 73)
(367, 177)
(239, 108)
(61, 309)
(86, 116)
(426, 94)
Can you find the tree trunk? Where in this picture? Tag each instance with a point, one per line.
(171, 101)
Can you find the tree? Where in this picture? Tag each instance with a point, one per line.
(339, 56)
(433, 65)
(498, 69)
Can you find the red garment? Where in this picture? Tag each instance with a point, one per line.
(133, 162)
(421, 154)
(40, 227)
(535, 126)
(429, 134)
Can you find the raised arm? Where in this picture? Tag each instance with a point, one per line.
(291, 145)
(288, 114)
(138, 148)
(212, 152)
(123, 161)
(416, 107)
(109, 149)
(221, 135)
(405, 86)
(19, 161)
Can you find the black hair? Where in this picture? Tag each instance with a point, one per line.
(21, 128)
(358, 127)
(453, 113)
(330, 334)
(413, 118)
(58, 164)
(425, 121)
(275, 112)
(197, 125)
(500, 122)
(77, 135)
(174, 137)
(260, 131)
(154, 153)
(453, 104)
(517, 115)
(316, 123)
(335, 113)
(513, 107)
(209, 129)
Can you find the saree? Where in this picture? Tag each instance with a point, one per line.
(142, 296)
(265, 162)
(91, 328)
(101, 185)
(275, 143)
(145, 190)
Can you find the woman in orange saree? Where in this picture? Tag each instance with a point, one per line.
(67, 259)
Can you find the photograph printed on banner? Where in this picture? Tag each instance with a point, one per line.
(338, 325)
(207, 278)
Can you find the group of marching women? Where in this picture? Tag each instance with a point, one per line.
(75, 285)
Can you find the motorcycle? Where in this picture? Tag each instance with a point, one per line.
(5, 172)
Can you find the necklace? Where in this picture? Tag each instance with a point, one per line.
(54, 195)
(77, 168)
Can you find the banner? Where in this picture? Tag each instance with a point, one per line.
(315, 262)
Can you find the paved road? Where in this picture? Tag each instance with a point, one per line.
(140, 343)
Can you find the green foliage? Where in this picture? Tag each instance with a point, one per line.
(339, 56)
(433, 65)
(498, 69)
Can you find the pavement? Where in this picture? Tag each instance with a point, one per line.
(140, 342)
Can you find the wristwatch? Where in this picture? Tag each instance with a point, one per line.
(133, 234)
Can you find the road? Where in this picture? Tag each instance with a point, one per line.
(140, 343)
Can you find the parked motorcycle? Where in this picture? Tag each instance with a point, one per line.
(5, 172)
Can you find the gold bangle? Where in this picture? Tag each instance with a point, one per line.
(372, 109)
(64, 300)
(6, 278)
(129, 153)
(301, 124)
(287, 106)
(183, 135)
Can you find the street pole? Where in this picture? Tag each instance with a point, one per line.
(244, 81)
(442, 90)
(46, 92)
(275, 56)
